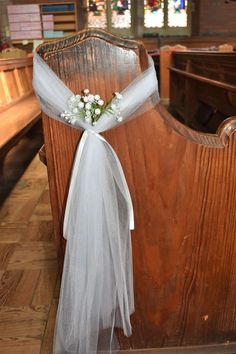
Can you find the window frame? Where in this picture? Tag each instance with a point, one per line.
(167, 30)
(137, 28)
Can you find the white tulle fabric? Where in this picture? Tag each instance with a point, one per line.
(97, 283)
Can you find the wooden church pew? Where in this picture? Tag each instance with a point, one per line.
(203, 88)
(183, 188)
(19, 109)
(198, 41)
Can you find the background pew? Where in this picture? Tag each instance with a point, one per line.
(19, 109)
(203, 88)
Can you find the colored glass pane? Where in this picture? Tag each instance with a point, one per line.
(97, 14)
(177, 13)
(153, 13)
(121, 13)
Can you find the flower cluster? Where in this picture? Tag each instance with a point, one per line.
(90, 107)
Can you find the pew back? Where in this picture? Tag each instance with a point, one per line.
(15, 80)
(203, 88)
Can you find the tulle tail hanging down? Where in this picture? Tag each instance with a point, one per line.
(97, 285)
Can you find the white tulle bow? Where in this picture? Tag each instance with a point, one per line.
(97, 283)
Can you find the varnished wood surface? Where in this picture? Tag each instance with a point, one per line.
(16, 121)
(15, 80)
(184, 199)
(203, 88)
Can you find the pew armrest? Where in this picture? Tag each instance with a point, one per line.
(218, 140)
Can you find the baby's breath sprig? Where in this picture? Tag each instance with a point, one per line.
(89, 108)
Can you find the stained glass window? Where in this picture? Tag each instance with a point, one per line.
(121, 13)
(97, 14)
(153, 13)
(177, 13)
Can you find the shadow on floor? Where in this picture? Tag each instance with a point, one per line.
(18, 158)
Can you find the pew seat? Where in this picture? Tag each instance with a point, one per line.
(16, 122)
(19, 108)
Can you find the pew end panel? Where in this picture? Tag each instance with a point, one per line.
(184, 197)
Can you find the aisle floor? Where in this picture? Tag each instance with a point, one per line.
(28, 266)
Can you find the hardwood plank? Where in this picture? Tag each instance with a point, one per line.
(24, 313)
(15, 345)
(11, 233)
(29, 188)
(8, 284)
(18, 212)
(29, 329)
(42, 211)
(30, 255)
(25, 289)
(45, 287)
(6, 250)
(40, 230)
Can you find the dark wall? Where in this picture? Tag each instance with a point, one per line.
(214, 17)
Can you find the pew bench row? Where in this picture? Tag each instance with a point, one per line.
(19, 109)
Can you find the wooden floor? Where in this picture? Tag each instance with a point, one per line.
(29, 286)
(28, 266)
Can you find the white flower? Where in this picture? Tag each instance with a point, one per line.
(113, 106)
(97, 111)
(101, 102)
(78, 97)
(97, 97)
(86, 91)
(119, 119)
(88, 113)
(81, 105)
(88, 105)
(91, 98)
(85, 98)
(75, 110)
(63, 115)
